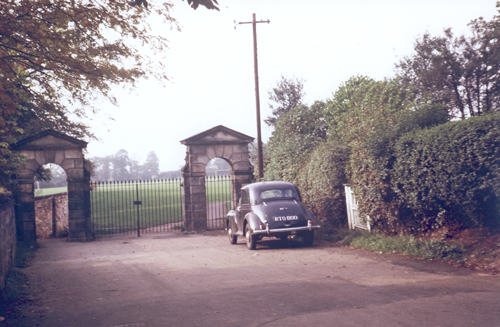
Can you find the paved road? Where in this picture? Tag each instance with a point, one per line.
(201, 280)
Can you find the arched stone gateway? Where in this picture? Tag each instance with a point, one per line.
(53, 147)
(217, 142)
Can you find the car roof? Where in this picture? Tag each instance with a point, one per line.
(258, 186)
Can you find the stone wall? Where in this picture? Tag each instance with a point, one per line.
(51, 215)
(7, 241)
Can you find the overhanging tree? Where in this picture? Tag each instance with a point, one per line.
(56, 56)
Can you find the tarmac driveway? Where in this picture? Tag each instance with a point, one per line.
(202, 280)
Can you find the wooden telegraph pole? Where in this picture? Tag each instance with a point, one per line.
(260, 159)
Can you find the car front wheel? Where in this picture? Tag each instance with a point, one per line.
(251, 239)
(232, 237)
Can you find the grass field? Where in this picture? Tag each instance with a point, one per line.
(160, 209)
(50, 191)
(218, 189)
(114, 211)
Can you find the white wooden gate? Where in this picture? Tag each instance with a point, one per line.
(355, 220)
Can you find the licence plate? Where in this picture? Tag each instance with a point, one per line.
(286, 218)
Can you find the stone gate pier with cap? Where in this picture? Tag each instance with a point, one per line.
(217, 142)
(53, 147)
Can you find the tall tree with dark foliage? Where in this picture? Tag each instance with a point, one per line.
(460, 72)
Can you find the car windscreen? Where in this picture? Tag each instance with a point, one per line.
(278, 194)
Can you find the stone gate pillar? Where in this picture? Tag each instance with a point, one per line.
(195, 206)
(79, 219)
(218, 142)
(25, 209)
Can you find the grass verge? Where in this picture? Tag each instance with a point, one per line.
(408, 245)
(478, 249)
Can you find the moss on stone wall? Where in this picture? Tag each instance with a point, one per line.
(7, 241)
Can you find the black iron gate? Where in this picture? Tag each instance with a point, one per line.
(219, 196)
(136, 207)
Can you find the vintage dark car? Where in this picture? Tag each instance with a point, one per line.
(270, 209)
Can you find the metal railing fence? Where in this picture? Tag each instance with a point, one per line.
(136, 207)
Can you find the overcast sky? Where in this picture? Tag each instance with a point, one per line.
(210, 64)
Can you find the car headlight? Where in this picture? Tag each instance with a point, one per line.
(262, 222)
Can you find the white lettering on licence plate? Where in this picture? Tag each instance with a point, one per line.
(285, 218)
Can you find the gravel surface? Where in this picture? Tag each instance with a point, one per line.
(202, 280)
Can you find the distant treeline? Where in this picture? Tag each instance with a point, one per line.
(120, 166)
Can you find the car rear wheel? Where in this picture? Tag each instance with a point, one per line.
(308, 238)
(283, 237)
(251, 239)
(232, 237)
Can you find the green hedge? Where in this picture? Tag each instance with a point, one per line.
(297, 132)
(449, 175)
(321, 182)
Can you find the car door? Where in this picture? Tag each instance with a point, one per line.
(242, 209)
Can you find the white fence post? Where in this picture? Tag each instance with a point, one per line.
(353, 218)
